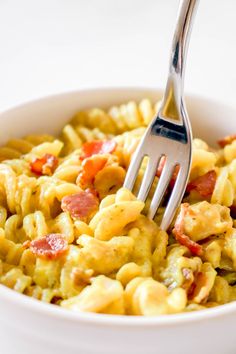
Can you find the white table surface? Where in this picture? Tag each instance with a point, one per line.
(49, 46)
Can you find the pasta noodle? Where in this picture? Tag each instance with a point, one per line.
(70, 235)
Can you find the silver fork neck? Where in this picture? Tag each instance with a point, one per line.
(186, 14)
(172, 101)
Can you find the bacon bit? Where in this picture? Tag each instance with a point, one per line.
(90, 167)
(80, 205)
(96, 147)
(178, 232)
(51, 246)
(233, 211)
(45, 165)
(226, 140)
(204, 184)
(160, 169)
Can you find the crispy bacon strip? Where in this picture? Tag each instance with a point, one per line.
(178, 232)
(96, 147)
(90, 167)
(160, 169)
(51, 246)
(204, 184)
(81, 205)
(226, 140)
(45, 165)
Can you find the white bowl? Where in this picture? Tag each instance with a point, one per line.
(31, 327)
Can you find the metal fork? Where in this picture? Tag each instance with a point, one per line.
(169, 134)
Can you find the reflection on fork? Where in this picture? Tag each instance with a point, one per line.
(169, 134)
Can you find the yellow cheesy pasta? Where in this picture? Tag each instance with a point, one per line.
(72, 236)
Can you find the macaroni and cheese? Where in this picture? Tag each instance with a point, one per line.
(71, 235)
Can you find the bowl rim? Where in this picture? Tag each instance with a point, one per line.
(138, 89)
(36, 307)
(39, 307)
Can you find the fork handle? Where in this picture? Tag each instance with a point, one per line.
(172, 101)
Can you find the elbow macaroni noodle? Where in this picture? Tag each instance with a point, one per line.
(118, 261)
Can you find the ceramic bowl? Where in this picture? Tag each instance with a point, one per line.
(31, 327)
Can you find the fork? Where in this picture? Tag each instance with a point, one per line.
(169, 134)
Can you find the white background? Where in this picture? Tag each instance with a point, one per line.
(49, 46)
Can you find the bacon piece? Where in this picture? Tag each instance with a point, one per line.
(81, 205)
(45, 165)
(90, 167)
(178, 232)
(204, 184)
(51, 246)
(160, 169)
(96, 147)
(226, 140)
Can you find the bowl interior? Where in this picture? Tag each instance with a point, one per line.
(210, 120)
(42, 328)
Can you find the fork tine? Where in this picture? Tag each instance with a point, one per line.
(175, 198)
(133, 170)
(161, 188)
(148, 178)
